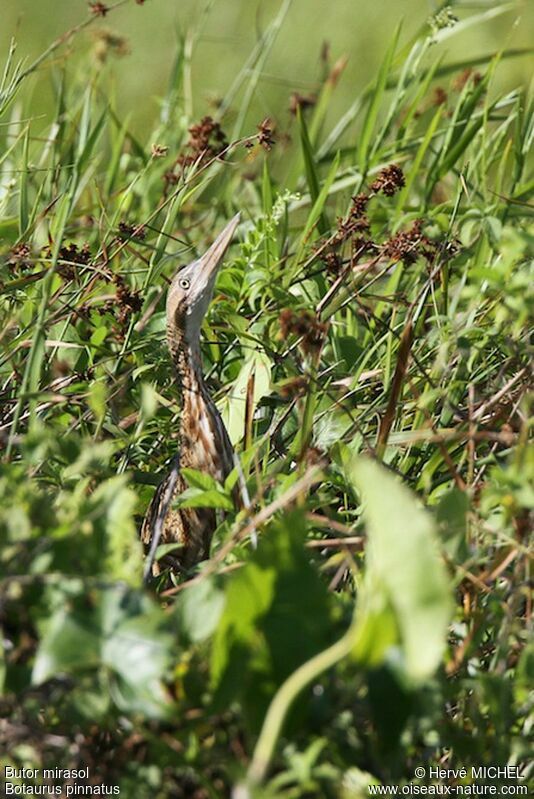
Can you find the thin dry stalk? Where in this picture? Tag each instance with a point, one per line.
(388, 418)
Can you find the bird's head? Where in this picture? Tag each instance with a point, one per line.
(191, 289)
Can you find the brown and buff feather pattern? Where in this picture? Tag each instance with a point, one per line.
(203, 444)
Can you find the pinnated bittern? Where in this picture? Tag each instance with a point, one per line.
(203, 442)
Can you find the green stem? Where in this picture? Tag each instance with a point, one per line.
(284, 698)
(309, 411)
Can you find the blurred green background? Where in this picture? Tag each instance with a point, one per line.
(359, 29)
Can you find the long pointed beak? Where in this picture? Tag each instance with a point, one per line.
(211, 260)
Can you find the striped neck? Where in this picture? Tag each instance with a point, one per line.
(203, 441)
(187, 362)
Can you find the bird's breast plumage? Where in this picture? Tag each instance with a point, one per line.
(204, 445)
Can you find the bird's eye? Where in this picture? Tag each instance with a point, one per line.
(184, 283)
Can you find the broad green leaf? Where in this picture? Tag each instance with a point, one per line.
(197, 479)
(404, 570)
(70, 643)
(116, 630)
(199, 609)
(97, 399)
(378, 630)
(99, 335)
(451, 515)
(164, 549)
(233, 407)
(198, 498)
(149, 402)
(277, 614)
(123, 550)
(248, 596)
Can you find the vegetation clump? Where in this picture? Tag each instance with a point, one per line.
(365, 607)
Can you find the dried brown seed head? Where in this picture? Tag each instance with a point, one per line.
(302, 101)
(266, 134)
(207, 141)
(127, 231)
(20, 259)
(98, 9)
(389, 180)
(440, 96)
(294, 387)
(159, 150)
(464, 77)
(307, 326)
(109, 43)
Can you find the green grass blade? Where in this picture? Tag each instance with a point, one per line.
(259, 59)
(317, 211)
(376, 99)
(23, 191)
(414, 171)
(312, 175)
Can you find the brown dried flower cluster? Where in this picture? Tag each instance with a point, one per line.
(20, 259)
(405, 245)
(359, 205)
(69, 257)
(294, 387)
(159, 150)
(266, 134)
(128, 301)
(207, 141)
(389, 181)
(355, 223)
(108, 43)
(440, 96)
(464, 77)
(306, 325)
(332, 260)
(355, 227)
(98, 9)
(301, 101)
(408, 245)
(127, 231)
